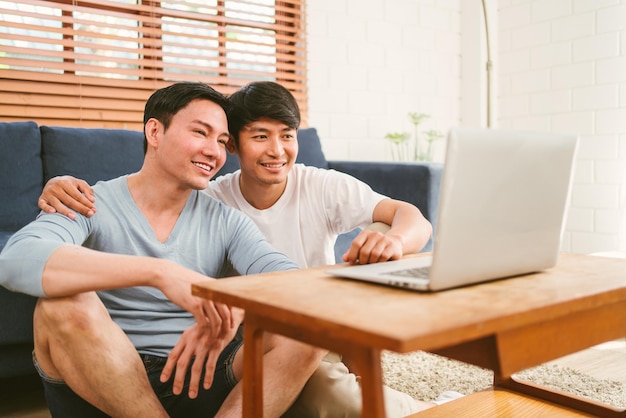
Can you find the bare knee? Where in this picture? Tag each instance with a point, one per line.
(60, 323)
(308, 355)
(82, 313)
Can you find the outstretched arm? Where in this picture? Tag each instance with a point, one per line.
(66, 193)
(72, 269)
(409, 233)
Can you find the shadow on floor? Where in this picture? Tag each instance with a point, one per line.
(22, 397)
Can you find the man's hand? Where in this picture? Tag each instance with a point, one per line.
(201, 344)
(199, 347)
(374, 247)
(175, 282)
(64, 194)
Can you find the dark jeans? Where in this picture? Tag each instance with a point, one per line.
(63, 402)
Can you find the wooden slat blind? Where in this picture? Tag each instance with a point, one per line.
(94, 63)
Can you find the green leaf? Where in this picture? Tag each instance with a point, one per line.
(417, 118)
(398, 137)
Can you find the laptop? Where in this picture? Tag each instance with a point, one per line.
(503, 201)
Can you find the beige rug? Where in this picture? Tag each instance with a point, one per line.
(424, 376)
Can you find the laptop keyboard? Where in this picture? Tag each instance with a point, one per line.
(417, 272)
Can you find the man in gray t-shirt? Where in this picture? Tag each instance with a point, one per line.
(119, 281)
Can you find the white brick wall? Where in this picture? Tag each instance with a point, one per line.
(373, 61)
(560, 65)
(573, 80)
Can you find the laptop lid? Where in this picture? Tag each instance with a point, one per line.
(501, 212)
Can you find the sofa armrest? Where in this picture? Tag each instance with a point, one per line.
(416, 183)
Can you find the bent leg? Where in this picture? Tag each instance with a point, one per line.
(77, 342)
(287, 366)
(332, 391)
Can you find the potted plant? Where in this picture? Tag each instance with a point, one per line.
(416, 147)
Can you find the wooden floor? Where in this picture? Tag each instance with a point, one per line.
(604, 361)
(23, 397)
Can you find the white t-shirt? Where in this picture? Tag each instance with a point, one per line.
(315, 208)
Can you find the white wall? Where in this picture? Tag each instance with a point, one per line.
(562, 68)
(560, 65)
(370, 62)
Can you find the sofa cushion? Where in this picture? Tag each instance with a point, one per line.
(310, 149)
(16, 326)
(91, 154)
(309, 153)
(231, 164)
(21, 174)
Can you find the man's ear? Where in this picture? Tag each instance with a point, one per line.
(230, 145)
(151, 129)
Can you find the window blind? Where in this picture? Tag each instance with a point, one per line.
(94, 63)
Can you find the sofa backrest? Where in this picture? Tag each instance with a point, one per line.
(90, 154)
(309, 153)
(21, 174)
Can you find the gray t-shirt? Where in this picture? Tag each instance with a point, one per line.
(207, 238)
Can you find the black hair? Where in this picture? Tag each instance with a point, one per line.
(262, 99)
(164, 103)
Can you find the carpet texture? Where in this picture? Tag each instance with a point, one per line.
(424, 376)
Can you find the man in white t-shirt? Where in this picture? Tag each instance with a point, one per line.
(301, 210)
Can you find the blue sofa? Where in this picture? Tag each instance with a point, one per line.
(31, 154)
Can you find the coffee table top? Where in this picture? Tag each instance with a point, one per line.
(403, 320)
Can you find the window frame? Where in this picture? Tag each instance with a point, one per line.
(77, 96)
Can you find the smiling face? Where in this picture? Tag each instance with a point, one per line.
(267, 151)
(192, 149)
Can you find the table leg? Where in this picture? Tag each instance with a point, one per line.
(367, 361)
(252, 368)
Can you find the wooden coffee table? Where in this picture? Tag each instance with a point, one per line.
(506, 325)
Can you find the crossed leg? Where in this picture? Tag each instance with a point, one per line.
(333, 391)
(299, 381)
